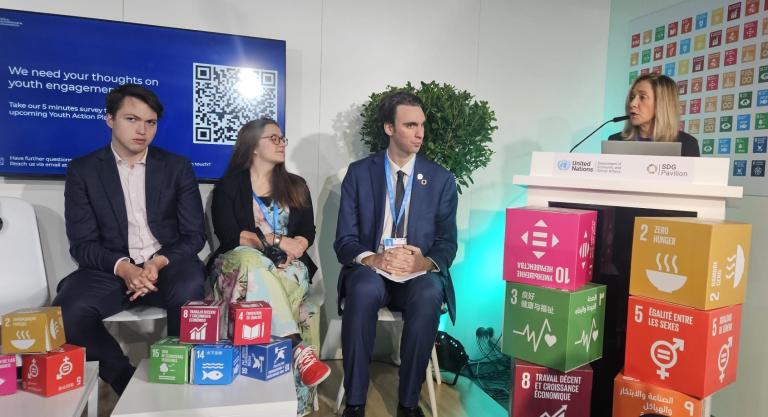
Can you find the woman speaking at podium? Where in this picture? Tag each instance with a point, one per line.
(654, 114)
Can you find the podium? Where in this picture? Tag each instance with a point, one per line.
(698, 185)
(621, 187)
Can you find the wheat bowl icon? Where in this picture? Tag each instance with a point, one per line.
(666, 278)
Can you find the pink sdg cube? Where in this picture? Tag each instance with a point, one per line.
(549, 247)
(7, 374)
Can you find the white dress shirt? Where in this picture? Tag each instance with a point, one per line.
(142, 244)
(393, 168)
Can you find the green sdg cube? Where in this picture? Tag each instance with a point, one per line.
(557, 329)
(169, 361)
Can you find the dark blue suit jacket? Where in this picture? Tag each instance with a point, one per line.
(431, 217)
(96, 219)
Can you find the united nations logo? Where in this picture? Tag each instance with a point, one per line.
(563, 165)
(652, 169)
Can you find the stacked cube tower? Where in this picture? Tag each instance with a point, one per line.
(49, 365)
(687, 283)
(219, 342)
(553, 314)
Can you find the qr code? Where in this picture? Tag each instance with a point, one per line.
(228, 97)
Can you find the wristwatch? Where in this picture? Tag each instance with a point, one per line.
(276, 240)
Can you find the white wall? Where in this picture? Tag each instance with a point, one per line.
(541, 66)
(753, 356)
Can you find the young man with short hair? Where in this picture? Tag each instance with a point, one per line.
(398, 215)
(134, 220)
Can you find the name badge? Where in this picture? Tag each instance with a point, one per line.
(394, 242)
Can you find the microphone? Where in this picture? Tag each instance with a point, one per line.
(614, 120)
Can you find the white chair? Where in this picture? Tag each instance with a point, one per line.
(386, 315)
(26, 286)
(134, 328)
(23, 275)
(138, 313)
(22, 258)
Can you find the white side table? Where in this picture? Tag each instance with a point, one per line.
(68, 404)
(245, 397)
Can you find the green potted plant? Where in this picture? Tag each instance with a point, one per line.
(458, 130)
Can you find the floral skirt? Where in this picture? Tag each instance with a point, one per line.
(245, 274)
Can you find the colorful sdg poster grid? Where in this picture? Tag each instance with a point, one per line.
(717, 52)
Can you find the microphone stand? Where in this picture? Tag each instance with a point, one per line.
(614, 120)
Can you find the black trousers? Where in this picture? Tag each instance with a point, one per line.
(88, 296)
(419, 300)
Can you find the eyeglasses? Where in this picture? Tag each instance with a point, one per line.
(276, 139)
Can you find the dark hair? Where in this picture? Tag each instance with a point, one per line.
(118, 94)
(388, 105)
(287, 189)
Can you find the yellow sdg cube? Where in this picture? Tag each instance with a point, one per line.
(32, 330)
(693, 262)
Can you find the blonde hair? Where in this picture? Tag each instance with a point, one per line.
(666, 118)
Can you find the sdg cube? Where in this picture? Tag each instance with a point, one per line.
(540, 391)
(7, 374)
(32, 330)
(694, 262)
(217, 364)
(250, 322)
(687, 350)
(558, 329)
(632, 398)
(268, 361)
(169, 361)
(550, 247)
(55, 372)
(202, 322)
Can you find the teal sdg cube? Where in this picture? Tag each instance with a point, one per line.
(554, 328)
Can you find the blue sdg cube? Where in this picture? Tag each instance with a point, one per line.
(267, 361)
(217, 364)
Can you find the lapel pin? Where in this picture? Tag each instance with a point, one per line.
(419, 176)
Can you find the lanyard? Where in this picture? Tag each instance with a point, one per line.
(397, 217)
(265, 212)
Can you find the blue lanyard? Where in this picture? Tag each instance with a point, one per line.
(397, 217)
(265, 212)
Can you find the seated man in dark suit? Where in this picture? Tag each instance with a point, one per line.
(398, 215)
(134, 220)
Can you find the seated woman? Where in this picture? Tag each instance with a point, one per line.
(258, 194)
(654, 114)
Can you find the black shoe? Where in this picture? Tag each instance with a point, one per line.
(409, 411)
(354, 411)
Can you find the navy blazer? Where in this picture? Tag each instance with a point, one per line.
(431, 216)
(96, 219)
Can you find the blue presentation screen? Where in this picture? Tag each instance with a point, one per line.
(56, 72)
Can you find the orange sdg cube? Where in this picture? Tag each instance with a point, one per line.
(694, 262)
(632, 398)
(687, 350)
